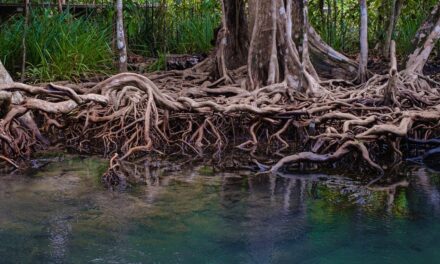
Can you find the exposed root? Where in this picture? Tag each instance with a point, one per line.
(130, 115)
(338, 154)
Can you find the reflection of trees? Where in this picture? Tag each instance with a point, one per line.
(377, 195)
(390, 192)
(274, 210)
(59, 232)
(430, 190)
(271, 211)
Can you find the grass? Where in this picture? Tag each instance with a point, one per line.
(184, 27)
(62, 47)
(59, 46)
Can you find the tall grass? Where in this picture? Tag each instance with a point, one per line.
(59, 46)
(185, 26)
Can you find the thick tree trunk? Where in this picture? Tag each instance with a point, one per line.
(233, 40)
(273, 56)
(120, 37)
(328, 62)
(425, 40)
(263, 45)
(363, 38)
(234, 44)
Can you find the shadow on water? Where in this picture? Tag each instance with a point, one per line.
(196, 214)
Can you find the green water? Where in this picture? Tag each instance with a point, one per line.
(62, 214)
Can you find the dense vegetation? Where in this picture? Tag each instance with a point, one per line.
(61, 46)
(338, 22)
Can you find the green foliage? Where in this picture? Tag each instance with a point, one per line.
(160, 64)
(59, 46)
(340, 29)
(185, 26)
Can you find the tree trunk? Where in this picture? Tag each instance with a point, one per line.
(328, 62)
(390, 90)
(275, 50)
(273, 56)
(234, 34)
(23, 41)
(5, 98)
(4, 75)
(232, 39)
(425, 40)
(263, 45)
(60, 6)
(396, 6)
(120, 37)
(363, 37)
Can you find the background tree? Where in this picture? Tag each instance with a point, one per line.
(363, 40)
(120, 37)
(396, 7)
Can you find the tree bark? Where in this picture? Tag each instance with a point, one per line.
(396, 7)
(5, 98)
(273, 46)
(23, 41)
(120, 37)
(4, 75)
(60, 6)
(273, 55)
(390, 89)
(328, 62)
(425, 40)
(363, 38)
(262, 50)
(233, 36)
(232, 39)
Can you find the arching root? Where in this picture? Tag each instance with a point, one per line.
(130, 115)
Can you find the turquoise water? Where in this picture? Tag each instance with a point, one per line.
(62, 214)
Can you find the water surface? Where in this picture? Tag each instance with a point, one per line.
(63, 214)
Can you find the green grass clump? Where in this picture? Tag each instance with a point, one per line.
(59, 46)
(179, 27)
